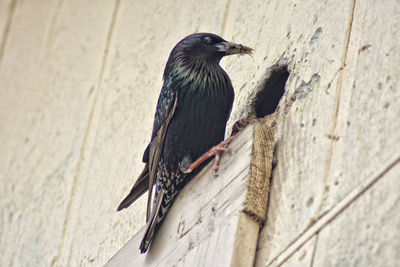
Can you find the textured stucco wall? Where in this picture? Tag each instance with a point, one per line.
(78, 85)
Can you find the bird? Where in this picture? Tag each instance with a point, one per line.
(193, 108)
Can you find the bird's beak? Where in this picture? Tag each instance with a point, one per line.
(233, 49)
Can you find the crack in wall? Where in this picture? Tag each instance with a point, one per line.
(314, 249)
(340, 74)
(339, 87)
(224, 21)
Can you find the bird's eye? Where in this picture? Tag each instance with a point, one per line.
(207, 40)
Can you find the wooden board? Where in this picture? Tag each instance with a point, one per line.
(311, 43)
(79, 82)
(368, 232)
(49, 74)
(213, 221)
(363, 136)
(368, 123)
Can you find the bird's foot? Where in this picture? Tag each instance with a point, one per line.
(221, 147)
(215, 151)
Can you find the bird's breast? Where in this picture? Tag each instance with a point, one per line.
(199, 120)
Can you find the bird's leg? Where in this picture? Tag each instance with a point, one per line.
(221, 147)
(214, 151)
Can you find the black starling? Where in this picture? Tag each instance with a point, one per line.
(192, 110)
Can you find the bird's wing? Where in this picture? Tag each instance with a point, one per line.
(163, 114)
(166, 107)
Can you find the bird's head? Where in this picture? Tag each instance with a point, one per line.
(206, 46)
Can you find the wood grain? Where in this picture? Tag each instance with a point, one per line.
(48, 79)
(363, 142)
(209, 223)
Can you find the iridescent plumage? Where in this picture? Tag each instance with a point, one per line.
(191, 115)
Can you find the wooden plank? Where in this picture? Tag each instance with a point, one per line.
(367, 233)
(364, 133)
(211, 223)
(350, 168)
(311, 43)
(368, 114)
(48, 79)
(329, 216)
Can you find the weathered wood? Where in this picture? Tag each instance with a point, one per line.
(336, 211)
(368, 232)
(48, 79)
(77, 113)
(214, 221)
(311, 43)
(7, 10)
(364, 137)
(303, 256)
(368, 123)
(245, 240)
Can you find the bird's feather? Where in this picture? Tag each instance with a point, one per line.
(165, 111)
(139, 188)
(151, 224)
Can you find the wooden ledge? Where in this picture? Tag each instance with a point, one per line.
(214, 221)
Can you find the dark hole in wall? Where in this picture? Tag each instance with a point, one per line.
(267, 98)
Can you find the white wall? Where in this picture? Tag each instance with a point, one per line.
(78, 85)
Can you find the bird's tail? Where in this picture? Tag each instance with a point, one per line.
(138, 189)
(160, 209)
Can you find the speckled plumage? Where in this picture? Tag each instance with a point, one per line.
(191, 115)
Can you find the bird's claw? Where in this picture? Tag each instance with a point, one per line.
(221, 147)
(214, 151)
(215, 170)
